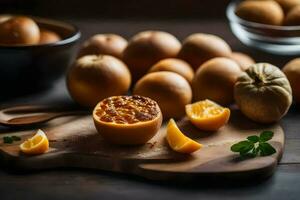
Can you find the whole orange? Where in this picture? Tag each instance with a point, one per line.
(170, 90)
(19, 31)
(174, 65)
(215, 80)
(292, 72)
(47, 36)
(95, 77)
(110, 44)
(146, 48)
(200, 47)
(242, 59)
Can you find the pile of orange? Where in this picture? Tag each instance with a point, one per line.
(195, 78)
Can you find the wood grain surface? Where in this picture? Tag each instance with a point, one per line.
(74, 142)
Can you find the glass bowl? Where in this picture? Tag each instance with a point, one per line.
(281, 40)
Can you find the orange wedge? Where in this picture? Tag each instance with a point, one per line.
(207, 115)
(38, 144)
(178, 141)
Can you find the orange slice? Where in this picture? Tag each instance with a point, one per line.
(127, 120)
(38, 144)
(178, 141)
(207, 115)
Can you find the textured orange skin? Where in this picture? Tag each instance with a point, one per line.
(170, 90)
(109, 44)
(128, 134)
(292, 72)
(89, 85)
(146, 48)
(293, 17)
(263, 12)
(199, 47)
(19, 31)
(215, 80)
(287, 5)
(243, 60)
(47, 36)
(174, 65)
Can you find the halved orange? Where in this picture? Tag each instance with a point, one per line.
(207, 115)
(38, 144)
(178, 141)
(127, 120)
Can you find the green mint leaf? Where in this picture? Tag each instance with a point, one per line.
(242, 147)
(8, 140)
(266, 136)
(253, 138)
(15, 138)
(266, 149)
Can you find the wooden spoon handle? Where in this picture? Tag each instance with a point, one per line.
(35, 109)
(40, 118)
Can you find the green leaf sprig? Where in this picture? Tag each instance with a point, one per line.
(10, 140)
(255, 145)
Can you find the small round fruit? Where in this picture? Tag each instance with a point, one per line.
(19, 31)
(93, 78)
(293, 17)
(215, 80)
(199, 47)
(292, 72)
(243, 60)
(263, 93)
(174, 65)
(148, 47)
(127, 120)
(287, 5)
(170, 90)
(207, 115)
(109, 44)
(264, 12)
(47, 36)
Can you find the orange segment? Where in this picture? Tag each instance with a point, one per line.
(178, 141)
(38, 144)
(207, 115)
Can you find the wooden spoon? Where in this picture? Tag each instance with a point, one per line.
(33, 115)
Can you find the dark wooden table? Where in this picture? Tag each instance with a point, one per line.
(84, 184)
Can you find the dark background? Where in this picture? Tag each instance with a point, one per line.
(136, 9)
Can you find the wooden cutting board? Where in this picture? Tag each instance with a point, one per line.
(74, 142)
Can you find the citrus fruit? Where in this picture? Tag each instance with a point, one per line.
(127, 120)
(170, 90)
(199, 47)
(178, 141)
(95, 77)
(109, 44)
(263, 12)
(243, 60)
(47, 36)
(148, 47)
(292, 72)
(174, 65)
(207, 115)
(215, 80)
(19, 31)
(38, 144)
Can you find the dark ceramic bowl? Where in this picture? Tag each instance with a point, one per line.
(29, 68)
